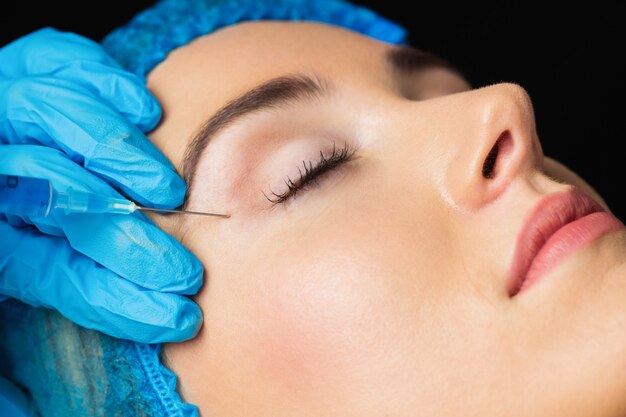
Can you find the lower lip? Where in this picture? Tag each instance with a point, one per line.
(567, 240)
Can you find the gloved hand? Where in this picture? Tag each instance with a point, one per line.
(68, 112)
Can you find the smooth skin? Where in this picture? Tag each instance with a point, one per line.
(381, 292)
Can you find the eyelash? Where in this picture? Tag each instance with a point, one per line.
(310, 178)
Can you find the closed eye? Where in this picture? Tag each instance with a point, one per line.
(310, 174)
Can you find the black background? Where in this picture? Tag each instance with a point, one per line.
(570, 60)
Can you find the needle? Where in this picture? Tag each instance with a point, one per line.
(183, 212)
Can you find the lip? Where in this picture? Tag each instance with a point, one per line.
(559, 225)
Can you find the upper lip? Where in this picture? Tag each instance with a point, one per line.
(544, 219)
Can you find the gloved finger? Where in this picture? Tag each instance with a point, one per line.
(15, 221)
(44, 224)
(46, 50)
(45, 271)
(122, 90)
(78, 59)
(64, 115)
(47, 227)
(129, 245)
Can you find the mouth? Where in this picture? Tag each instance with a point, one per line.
(559, 225)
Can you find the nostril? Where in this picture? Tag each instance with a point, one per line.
(493, 161)
(490, 161)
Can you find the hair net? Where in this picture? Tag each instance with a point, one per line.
(69, 370)
(144, 42)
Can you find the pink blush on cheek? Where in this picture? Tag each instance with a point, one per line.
(288, 358)
(307, 333)
(294, 347)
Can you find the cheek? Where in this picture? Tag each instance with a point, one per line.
(317, 325)
(303, 331)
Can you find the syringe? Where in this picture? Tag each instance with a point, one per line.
(36, 197)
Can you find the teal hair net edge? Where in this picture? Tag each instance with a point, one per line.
(152, 34)
(163, 381)
(69, 370)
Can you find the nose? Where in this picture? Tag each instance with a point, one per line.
(498, 144)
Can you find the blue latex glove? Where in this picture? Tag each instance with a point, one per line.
(68, 112)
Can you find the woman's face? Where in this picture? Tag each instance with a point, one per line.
(379, 288)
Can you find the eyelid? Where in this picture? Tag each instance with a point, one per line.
(311, 173)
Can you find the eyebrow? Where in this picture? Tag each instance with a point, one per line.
(275, 93)
(284, 90)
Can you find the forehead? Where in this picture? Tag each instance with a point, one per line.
(252, 52)
(197, 79)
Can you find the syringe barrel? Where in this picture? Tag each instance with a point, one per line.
(25, 196)
(73, 201)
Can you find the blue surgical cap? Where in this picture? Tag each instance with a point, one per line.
(147, 39)
(69, 370)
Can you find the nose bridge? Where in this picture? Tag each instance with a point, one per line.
(496, 142)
